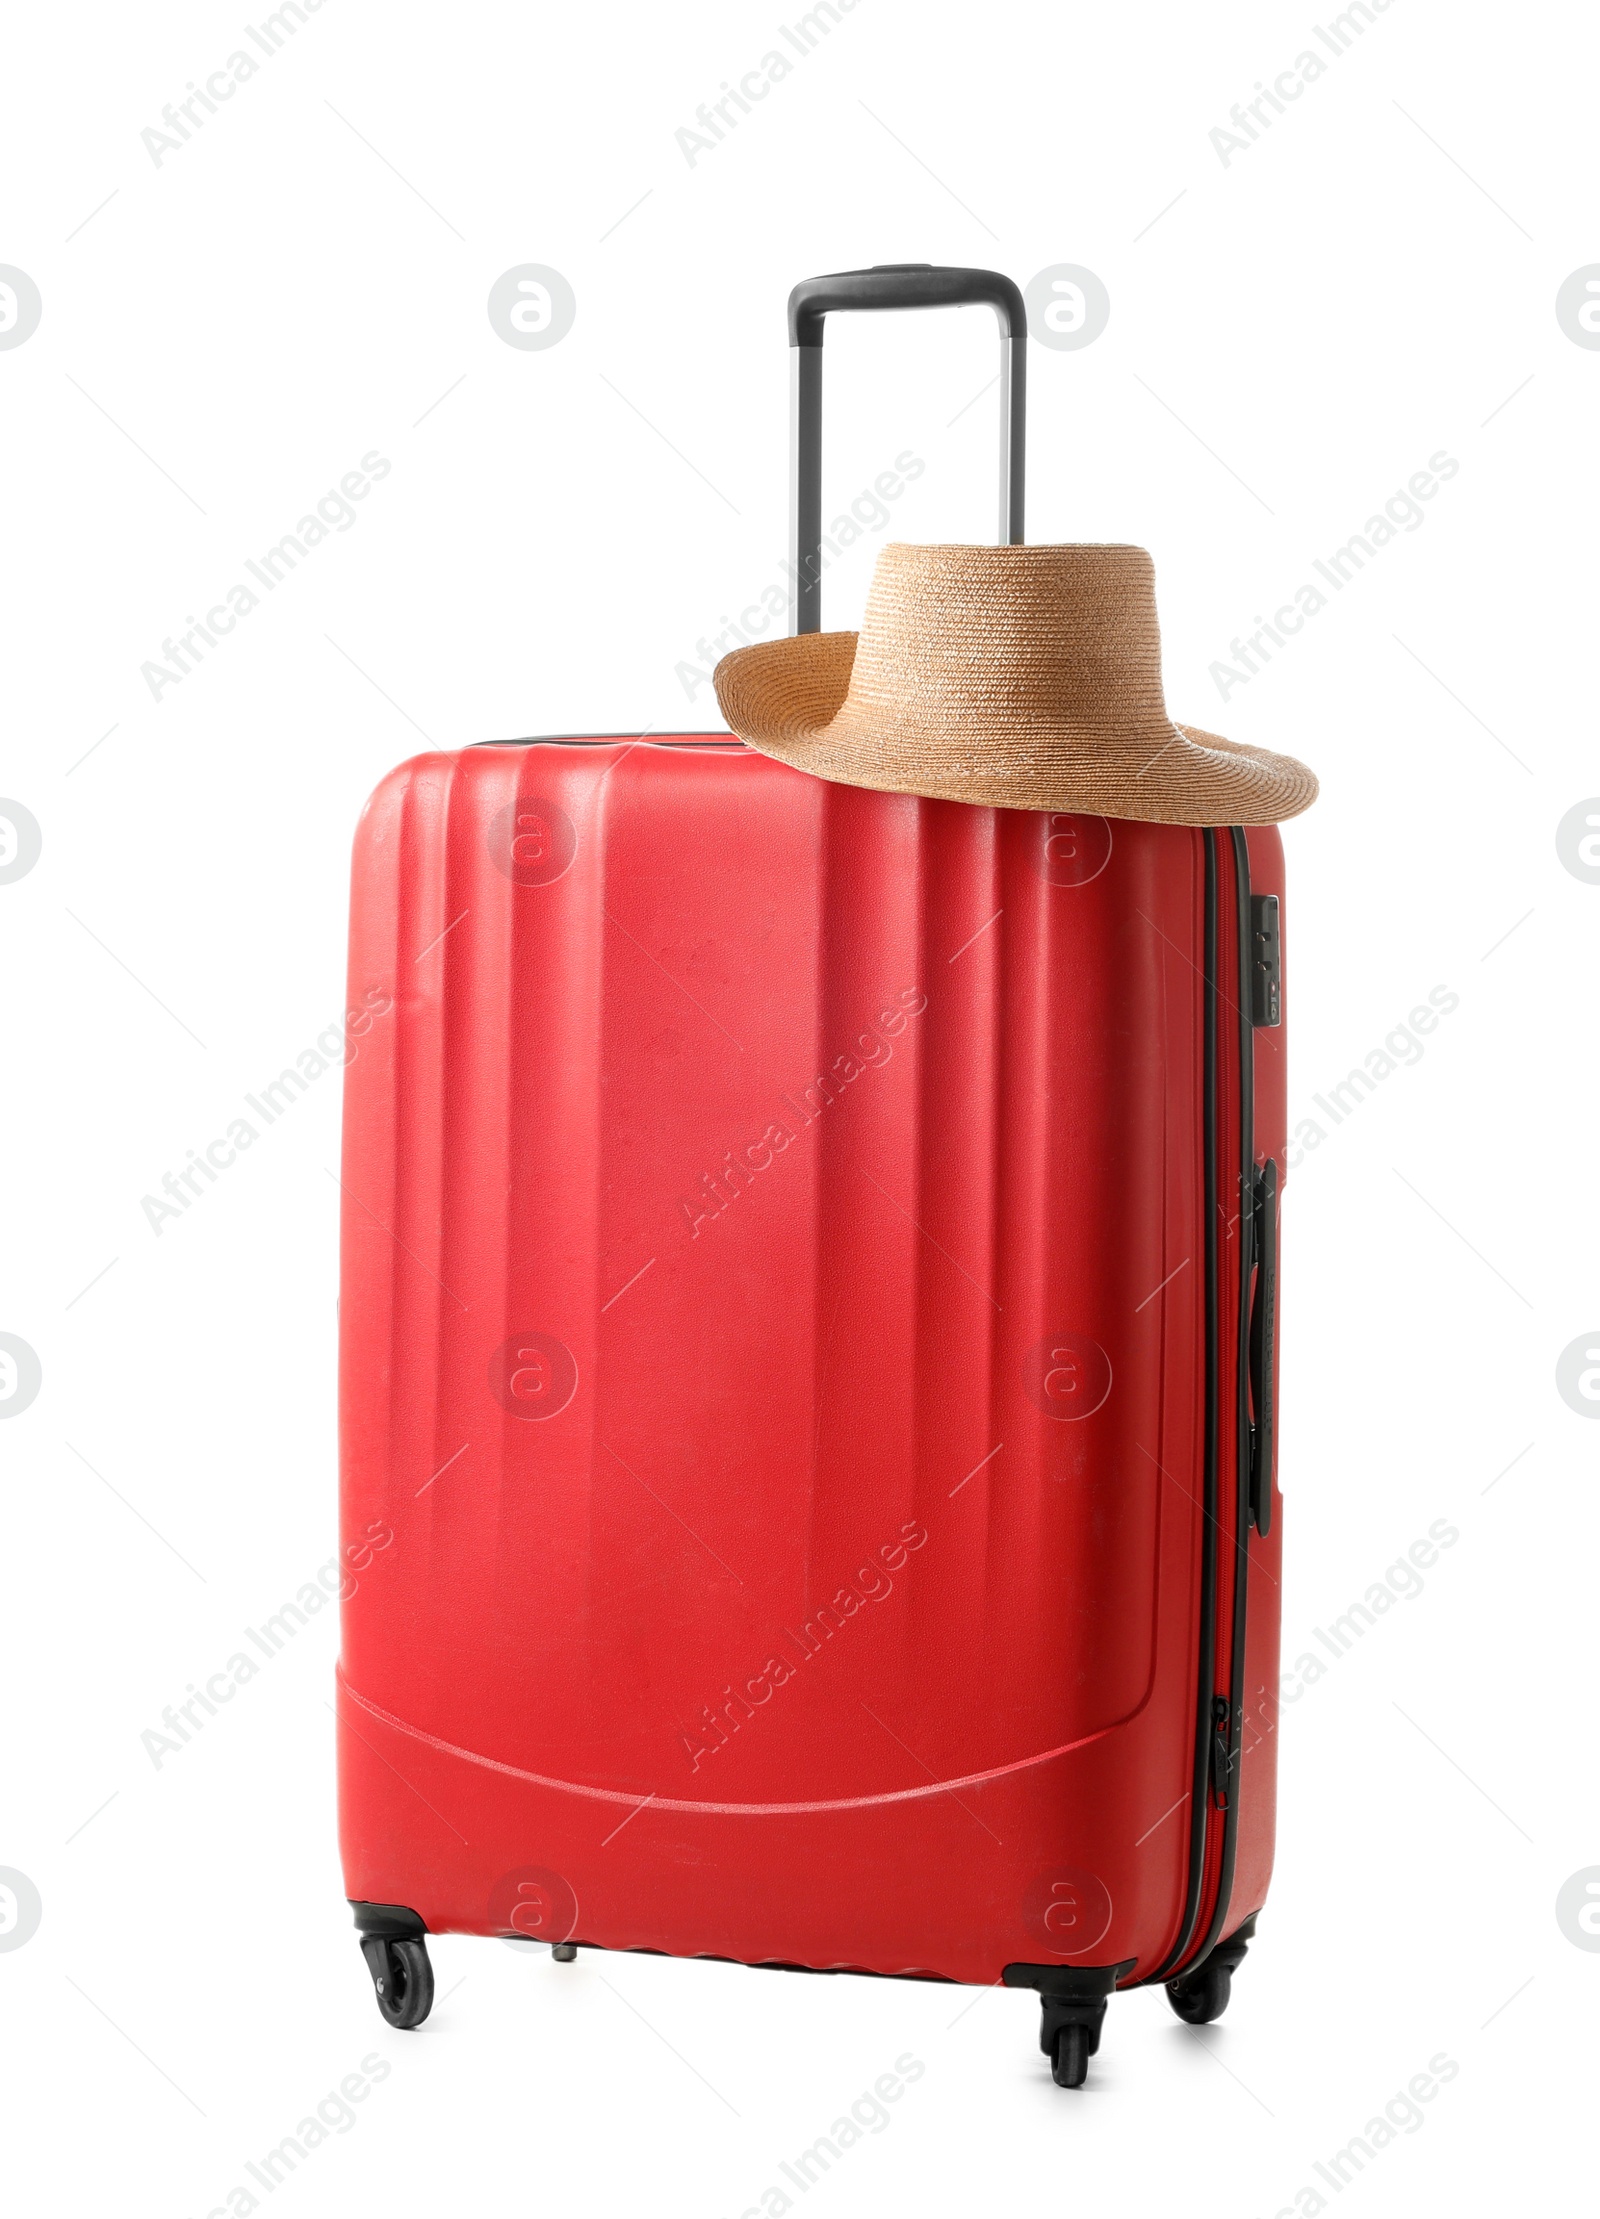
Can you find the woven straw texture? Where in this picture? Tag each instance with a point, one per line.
(1012, 677)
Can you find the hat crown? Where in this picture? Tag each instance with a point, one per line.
(1057, 637)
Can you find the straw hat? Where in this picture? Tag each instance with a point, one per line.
(1014, 677)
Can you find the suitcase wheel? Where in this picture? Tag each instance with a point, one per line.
(402, 1978)
(1200, 1996)
(1069, 2034)
(564, 1952)
(1069, 2067)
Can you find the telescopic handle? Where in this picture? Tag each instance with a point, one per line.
(891, 285)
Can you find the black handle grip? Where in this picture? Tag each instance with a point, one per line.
(902, 285)
(1263, 1336)
(891, 285)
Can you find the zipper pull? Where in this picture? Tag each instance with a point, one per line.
(1221, 1754)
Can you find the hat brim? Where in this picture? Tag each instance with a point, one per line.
(789, 698)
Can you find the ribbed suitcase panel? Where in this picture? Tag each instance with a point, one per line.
(752, 1185)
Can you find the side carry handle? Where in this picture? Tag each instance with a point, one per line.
(1263, 1336)
(890, 285)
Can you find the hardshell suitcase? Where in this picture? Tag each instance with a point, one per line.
(808, 1347)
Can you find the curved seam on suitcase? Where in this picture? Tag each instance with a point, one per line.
(728, 1810)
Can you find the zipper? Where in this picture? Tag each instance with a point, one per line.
(1199, 1797)
(1219, 1717)
(1244, 1474)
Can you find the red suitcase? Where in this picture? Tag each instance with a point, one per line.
(807, 1365)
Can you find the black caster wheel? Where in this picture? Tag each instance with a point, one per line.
(564, 1952)
(1200, 1996)
(1069, 2067)
(1070, 2026)
(402, 1978)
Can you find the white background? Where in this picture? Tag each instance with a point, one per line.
(1292, 335)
